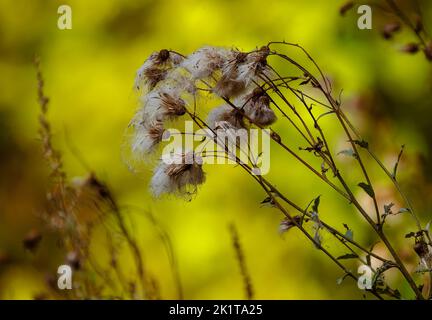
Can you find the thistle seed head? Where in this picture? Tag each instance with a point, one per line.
(257, 107)
(163, 104)
(225, 113)
(155, 68)
(205, 61)
(178, 177)
(147, 137)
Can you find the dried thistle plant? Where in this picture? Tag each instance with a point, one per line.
(412, 20)
(251, 91)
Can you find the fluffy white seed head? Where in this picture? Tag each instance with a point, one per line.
(206, 60)
(163, 104)
(225, 113)
(241, 72)
(147, 137)
(155, 68)
(256, 107)
(181, 177)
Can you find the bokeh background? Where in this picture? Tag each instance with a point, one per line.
(89, 73)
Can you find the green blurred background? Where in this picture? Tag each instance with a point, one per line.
(89, 73)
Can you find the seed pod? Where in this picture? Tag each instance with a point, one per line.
(163, 55)
(390, 29)
(410, 48)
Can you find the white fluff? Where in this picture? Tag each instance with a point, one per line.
(142, 142)
(203, 62)
(140, 74)
(153, 63)
(154, 108)
(161, 183)
(218, 114)
(180, 177)
(257, 109)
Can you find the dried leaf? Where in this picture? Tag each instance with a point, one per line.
(349, 233)
(397, 162)
(287, 224)
(317, 238)
(324, 114)
(378, 276)
(387, 208)
(367, 188)
(410, 235)
(316, 204)
(427, 227)
(341, 279)
(305, 81)
(348, 256)
(364, 144)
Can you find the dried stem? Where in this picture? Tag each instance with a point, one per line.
(242, 262)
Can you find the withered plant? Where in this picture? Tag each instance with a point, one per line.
(253, 94)
(75, 208)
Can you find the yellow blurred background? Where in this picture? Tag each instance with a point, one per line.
(89, 73)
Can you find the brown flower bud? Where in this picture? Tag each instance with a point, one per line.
(410, 48)
(421, 248)
(163, 55)
(390, 28)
